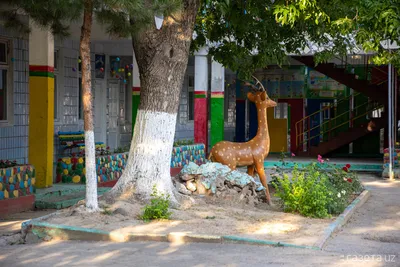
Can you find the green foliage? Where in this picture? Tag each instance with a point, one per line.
(106, 211)
(158, 207)
(122, 149)
(55, 15)
(318, 191)
(184, 142)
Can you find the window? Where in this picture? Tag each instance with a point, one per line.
(80, 105)
(55, 85)
(191, 97)
(326, 114)
(128, 100)
(281, 111)
(3, 94)
(5, 82)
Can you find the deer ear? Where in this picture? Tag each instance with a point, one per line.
(263, 96)
(250, 96)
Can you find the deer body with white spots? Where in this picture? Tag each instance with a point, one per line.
(253, 152)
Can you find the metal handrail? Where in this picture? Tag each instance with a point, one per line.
(321, 126)
(317, 112)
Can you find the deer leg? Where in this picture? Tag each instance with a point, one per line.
(250, 170)
(263, 179)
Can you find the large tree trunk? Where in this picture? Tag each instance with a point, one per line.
(162, 57)
(90, 162)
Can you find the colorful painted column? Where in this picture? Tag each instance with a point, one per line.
(41, 105)
(217, 102)
(200, 97)
(135, 91)
(240, 130)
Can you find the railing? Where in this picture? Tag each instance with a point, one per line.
(310, 127)
(361, 60)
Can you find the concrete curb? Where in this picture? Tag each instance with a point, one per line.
(343, 218)
(64, 232)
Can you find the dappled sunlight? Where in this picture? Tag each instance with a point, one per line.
(153, 227)
(382, 227)
(272, 228)
(51, 243)
(44, 257)
(105, 256)
(382, 183)
(66, 261)
(10, 226)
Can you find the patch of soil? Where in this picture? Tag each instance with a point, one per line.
(208, 216)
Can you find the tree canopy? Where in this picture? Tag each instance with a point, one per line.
(251, 34)
(245, 34)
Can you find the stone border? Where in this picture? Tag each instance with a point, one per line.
(64, 232)
(335, 226)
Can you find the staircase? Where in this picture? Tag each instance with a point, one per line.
(320, 138)
(375, 91)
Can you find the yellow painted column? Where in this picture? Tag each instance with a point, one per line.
(41, 105)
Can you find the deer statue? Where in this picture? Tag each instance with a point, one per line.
(253, 152)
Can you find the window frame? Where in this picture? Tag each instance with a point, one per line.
(9, 66)
(190, 102)
(57, 77)
(281, 111)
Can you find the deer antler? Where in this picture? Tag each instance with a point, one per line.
(261, 86)
(257, 86)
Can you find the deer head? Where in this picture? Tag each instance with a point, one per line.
(261, 99)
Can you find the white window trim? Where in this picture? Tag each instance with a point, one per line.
(10, 82)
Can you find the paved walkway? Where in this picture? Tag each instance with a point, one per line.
(371, 238)
(375, 228)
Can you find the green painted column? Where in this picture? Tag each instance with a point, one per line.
(135, 91)
(217, 102)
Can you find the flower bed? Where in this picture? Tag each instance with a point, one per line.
(319, 190)
(182, 155)
(17, 181)
(108, 168)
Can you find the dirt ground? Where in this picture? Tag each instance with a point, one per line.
(253, 222)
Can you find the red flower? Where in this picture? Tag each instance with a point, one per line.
(345, 169)
(348, 166)
(349, 180)
(108, 148)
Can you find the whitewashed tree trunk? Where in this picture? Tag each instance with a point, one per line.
(150, 155)
(90, 162)
(162, 57)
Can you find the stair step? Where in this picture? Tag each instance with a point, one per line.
(61, 199)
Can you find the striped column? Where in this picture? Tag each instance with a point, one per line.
(200, 97)
(240, 130)
(135, 91)
(41, 105)
(217, 102)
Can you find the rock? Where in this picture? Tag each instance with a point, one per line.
(190, 186)
(182, 189)
(200, 187)
(187, 177)
(121, 211)
(190, 168)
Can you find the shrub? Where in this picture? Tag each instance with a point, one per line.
(308, 192)
(317, 191)
(158, 207)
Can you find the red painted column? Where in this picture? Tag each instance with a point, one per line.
(200, 117)
(200, 97)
